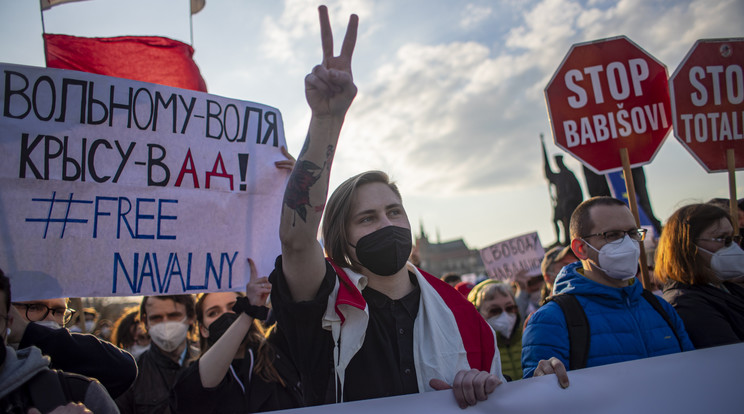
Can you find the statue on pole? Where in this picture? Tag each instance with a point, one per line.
(565, 193)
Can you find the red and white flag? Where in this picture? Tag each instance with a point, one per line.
(151, 59)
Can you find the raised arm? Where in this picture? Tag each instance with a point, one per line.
(215, 362)
(329, 90)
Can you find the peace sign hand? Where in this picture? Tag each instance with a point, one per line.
(329, 88)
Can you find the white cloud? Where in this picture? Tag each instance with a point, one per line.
(299, 22)
(437, 108)
(453, 118)
(473, 15)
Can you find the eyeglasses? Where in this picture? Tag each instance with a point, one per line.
(36, 312)
(725, 240)
(615, 235)
(509, 309)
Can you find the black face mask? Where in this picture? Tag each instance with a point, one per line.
(385, 251)
(219, 326)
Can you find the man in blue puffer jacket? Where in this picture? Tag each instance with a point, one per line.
(623, 325)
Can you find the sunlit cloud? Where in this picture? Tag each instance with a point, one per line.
(473, 15)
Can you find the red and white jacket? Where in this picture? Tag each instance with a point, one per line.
(449, 335)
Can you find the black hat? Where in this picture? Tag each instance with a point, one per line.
(553, 255)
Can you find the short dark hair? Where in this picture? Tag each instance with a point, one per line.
(5, 287)
(186, 300)
(451, 277)
(581, 223)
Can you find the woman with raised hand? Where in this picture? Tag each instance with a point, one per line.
(239, 370)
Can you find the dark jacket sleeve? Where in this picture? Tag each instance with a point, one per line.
(125, 402)
(705, 324)
(305, 342)
(679, 326)
(85, 355)
(190, 396)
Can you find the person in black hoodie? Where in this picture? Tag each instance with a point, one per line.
(239, 371)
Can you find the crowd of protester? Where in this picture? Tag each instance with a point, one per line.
(356, 319)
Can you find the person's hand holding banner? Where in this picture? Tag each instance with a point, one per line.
(552, 366)
(469, 386)
(287, 164)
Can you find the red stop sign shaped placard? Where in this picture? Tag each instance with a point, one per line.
(707, 91)
(607, 95)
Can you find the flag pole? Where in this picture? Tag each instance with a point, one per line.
(43, 32)
(191, 27)
(733, 207)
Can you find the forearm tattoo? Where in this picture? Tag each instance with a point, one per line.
(304, 175)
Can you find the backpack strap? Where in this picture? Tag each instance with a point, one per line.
(578, 329)
(46, 391)
(654, 302)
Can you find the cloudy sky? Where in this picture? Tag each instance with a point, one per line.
(450, 96)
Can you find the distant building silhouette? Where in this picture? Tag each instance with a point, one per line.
(452, 256)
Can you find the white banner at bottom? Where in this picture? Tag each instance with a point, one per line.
(703, 381)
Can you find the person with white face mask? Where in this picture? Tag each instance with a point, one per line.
(168, 320)
(605, 238)
(42, 322)
(497, 304)
(699, 261)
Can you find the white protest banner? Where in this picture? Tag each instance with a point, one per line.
(694, 382)
(115, 187)
(505, 260)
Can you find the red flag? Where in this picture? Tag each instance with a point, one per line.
(151, 59)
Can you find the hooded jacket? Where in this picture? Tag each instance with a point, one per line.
(20, 367)
(623, 325)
